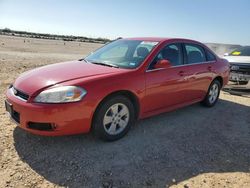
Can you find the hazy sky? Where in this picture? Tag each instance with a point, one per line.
(224, 21)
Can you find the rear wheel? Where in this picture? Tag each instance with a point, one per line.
(212, 94)
(114, 118)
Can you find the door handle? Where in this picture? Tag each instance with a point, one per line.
(209, 68)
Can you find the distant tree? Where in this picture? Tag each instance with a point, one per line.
(7, 30)
(65, 38)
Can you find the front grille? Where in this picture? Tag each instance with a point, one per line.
(233, 82)
(243, 68)
(16, 116)
(20, 94)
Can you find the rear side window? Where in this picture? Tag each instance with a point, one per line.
(195, 53)
(210, 56)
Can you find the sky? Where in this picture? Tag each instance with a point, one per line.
(221, 21)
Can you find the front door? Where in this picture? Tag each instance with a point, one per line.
(166, 87)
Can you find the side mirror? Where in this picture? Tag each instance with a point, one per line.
(226, 54)
(163, 63)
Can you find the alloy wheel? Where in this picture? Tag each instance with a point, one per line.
(213, 93)
(116, 119)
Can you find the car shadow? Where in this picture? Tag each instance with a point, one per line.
(176, 145)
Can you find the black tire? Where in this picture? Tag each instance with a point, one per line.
(98, 127)
(207, 100)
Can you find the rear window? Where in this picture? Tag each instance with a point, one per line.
(242, 51)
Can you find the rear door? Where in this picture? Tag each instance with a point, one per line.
(198, 69)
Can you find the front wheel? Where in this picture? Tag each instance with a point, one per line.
(114, 118)
(212, 94)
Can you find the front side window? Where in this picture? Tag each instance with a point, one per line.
(195, 53)
(172, 53)
(122, 53)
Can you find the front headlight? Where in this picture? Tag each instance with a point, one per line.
(62, 94)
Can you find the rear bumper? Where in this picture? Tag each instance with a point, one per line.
(66, 119)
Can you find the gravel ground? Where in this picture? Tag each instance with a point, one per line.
(189, 147)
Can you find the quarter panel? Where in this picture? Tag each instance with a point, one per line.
(99, 88)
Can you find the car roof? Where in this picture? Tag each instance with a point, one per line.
(160, 39)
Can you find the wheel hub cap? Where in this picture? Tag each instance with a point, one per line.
(213, 93)
(116, 119)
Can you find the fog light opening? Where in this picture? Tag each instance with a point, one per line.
(41, 126)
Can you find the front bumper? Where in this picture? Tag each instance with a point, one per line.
(237, 88)
(65, 119)
(239, 78)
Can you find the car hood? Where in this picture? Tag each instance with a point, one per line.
(237, 59)
(46, 76)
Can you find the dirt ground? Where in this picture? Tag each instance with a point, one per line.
(190, 147)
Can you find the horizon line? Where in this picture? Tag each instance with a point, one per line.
(102, 38)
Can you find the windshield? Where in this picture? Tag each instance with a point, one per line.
(122, 53)
(242, 51)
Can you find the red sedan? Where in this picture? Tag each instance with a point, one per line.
(107, 91)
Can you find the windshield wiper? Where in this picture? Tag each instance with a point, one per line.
(83, 59)
(105, 64)
(99, 63)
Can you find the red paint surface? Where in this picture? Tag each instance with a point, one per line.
(156, 91)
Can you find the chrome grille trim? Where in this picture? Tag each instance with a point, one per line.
(19, 94)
